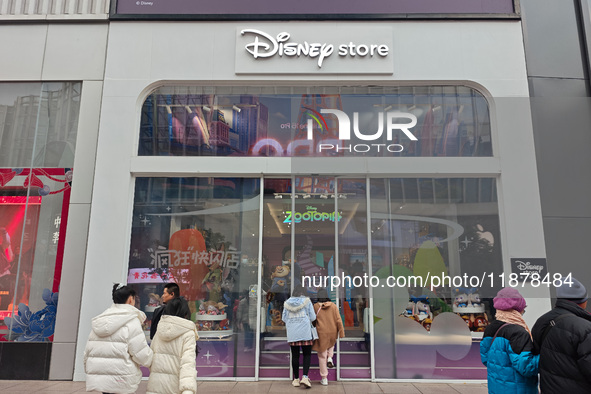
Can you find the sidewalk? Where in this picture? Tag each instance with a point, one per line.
(282, 387)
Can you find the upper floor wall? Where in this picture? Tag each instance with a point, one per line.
(39, 10)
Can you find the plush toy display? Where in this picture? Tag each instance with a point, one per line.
(211, 319)
(280, 278)
(154, 300)
(480, 323)
(469, 306)
(418, 309)
(409, 311)
(212, 282)
(423, 311)
(461, 300)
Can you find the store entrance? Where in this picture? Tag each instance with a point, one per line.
(325, 220)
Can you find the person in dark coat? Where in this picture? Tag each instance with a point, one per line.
(562, 338)
(171, 290)
(506, 348)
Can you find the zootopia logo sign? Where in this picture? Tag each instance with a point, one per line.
(311, 215)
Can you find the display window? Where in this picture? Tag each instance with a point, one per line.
(433, 237)
(38, 127)
(395, 254)
(203, 234)
(421, 121)
(371, 243)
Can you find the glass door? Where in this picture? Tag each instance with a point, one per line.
(318, 216)
(353, 271)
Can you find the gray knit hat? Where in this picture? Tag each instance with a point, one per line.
(574, 291)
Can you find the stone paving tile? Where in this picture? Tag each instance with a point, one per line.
(402, 388)
(249, 387)
(65, 387)
(469, 388)
(216, 387)
(32, 386)
(359, 387)
(435, 388)
(5, 384)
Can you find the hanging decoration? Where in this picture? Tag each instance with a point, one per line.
(32, 179)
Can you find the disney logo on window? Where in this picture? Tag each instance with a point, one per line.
(527, 266)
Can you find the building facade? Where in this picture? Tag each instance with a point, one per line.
(242, 157)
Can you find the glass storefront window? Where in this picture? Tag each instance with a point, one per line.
(38, 126)
(420, 121)
(430, 235)
(203, 234)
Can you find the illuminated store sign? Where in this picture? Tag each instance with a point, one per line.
(265, 45)
(301, 50)
(311, 215)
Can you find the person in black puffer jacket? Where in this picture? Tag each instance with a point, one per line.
(562, 338)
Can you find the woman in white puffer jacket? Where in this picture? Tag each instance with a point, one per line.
(117, 346)
(173, 369)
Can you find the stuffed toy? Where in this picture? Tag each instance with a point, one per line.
(276, 318)
(212, 308)
(409, 311)
(423, 311)
(467, 320)
(280, 277)
(212, 282)
(154, 300)
(474, 299)
(461, 300)
(480, 323)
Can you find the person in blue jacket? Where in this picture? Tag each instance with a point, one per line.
(506, 348)
(298, 315)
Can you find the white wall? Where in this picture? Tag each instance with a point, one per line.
(65, 52)
(141, 56)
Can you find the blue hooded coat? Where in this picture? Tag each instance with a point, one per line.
(298, 315)
(511, 366)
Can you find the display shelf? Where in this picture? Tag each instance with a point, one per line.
(212, 334)
(211, 317)
(465, 310)
(213, 321)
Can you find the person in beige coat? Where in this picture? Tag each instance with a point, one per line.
(173, 368)
(330, 327)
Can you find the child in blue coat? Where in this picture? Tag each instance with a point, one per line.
(298, 315)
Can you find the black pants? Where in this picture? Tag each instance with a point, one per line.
(295, 359)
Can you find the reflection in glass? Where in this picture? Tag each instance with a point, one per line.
(38, 126)
(325, 121)
(425, 230)
(202, 233)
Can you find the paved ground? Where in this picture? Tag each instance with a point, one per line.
(283, 387)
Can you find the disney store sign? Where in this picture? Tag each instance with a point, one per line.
(529, 266)
(358, 51)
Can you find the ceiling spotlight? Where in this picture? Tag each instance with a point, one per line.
(324, 196)
(332, 196)
(236, 108)
(343, 196)
(206, 108)
(278, 196)
(306, 196)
